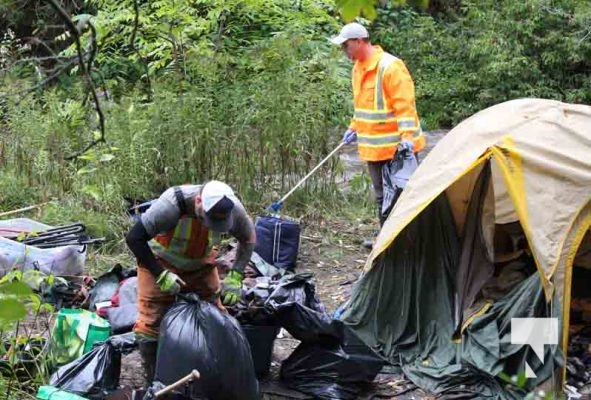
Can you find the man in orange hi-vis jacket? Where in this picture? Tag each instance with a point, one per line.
(385, 118)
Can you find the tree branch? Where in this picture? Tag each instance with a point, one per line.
(85, 71)
(84, 150)
(45, 81)
(218, 41)
(40, 42)
(93, 47)
(136, 20)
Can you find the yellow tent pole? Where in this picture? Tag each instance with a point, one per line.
(568, 276)
(509, 162)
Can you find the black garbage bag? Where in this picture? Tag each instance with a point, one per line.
(331, 362)
(308, 325)
(298, 288)
(96, 373)
(124, 343)
(395, 175)
(258, 303)
(251, 308)
(196, 335)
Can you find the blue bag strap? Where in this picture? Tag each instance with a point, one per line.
(180, 199)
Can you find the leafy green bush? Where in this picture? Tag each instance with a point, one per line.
(490, 52)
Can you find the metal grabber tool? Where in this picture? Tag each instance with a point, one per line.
(277, 205)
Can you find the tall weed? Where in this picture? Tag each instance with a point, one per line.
(260, 126)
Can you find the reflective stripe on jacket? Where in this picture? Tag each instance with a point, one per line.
(385, 110)
(186, 246)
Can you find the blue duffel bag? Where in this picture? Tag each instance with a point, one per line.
(278, 241)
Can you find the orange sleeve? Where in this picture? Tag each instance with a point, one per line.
(399, 89)
(352, 123)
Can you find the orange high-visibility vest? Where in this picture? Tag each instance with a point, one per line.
(187, 246)
(385, 111)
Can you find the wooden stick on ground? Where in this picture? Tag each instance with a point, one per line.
(189, 378)
(5, 213)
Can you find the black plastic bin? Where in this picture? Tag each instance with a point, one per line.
(261, 339)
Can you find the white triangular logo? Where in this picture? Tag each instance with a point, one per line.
(529, 373)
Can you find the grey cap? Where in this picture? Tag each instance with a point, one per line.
(350, 31)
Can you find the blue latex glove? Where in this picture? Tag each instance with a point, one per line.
(350, 136)
(406, 145)
(276, 206)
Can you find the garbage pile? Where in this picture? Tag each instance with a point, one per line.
(330, 362)
(231, 351)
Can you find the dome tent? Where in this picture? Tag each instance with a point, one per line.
(509, 185)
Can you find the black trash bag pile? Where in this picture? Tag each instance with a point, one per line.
(84, 291)
(257, 317)
(330, 362)
(96, 373)
(299, 289)
(256, 266)
(251, 308)
(258, 302)
(196, 335)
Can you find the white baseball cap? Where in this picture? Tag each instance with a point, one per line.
(350, 31)
(218, 200)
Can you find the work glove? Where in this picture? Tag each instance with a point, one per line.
(232, 288)
(406, 145)
(350, 136)
(169, 282)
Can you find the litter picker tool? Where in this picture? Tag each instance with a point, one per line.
(278, 239)
(277, 205)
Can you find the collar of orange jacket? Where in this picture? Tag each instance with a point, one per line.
(372, 62)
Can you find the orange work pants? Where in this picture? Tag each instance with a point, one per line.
(153, 303)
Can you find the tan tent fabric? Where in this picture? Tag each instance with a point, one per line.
(541, 157)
